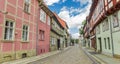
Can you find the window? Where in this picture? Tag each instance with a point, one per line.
(105, 43)
(9, 28)
(27, 6)
(25, 33)
(109, 42)
(42, 16)
(49, 20)
(98, 29)
(53, 41)
(109, 0)
(103, 26)
(115, 20)
(106, 24)
(41, 35)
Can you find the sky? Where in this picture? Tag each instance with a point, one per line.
(72, 11)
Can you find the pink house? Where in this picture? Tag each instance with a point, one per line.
(24, 29)
(43, 44)
(18, 20)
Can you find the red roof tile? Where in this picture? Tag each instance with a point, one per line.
(61, 21)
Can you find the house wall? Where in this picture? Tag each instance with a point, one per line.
(10, 50)
(56, 33)
(104, 35)
(43, 45)
(53, 46)
(116, 38)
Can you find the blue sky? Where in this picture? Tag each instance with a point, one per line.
(72, 11)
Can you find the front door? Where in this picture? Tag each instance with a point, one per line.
(100, 44)
(58, 44)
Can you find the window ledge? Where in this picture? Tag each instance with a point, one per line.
(41, 40)
(25, 41)
(7, 41)
(27, 12)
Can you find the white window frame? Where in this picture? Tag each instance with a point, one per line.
(53, 41)
(42, 16)
(115, 20)
(25, 37)
(27, 6)
(8, 35)
(49, 20)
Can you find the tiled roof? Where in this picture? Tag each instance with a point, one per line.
(61, 21)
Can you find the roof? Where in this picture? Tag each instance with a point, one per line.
(61, 21)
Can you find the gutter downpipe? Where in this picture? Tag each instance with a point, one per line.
(37, 32)
(111, 38)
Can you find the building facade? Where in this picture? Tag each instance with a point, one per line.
(56, 34)
(104, 19)
(17, 29)
(43, 30)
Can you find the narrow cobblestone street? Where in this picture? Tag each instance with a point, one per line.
(74, 55)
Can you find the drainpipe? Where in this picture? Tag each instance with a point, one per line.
(111, 38)
(37, 32)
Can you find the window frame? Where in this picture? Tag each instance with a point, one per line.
(41, 35)
(28, 5)
(43, 16)
(49, 20)
(13, 30)
(115, 23)
(23, 40)
(105, 43)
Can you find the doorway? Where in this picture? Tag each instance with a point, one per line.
(99, 39)
(58, 44)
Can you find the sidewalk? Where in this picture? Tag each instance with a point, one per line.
(103, 59)
(35, 58)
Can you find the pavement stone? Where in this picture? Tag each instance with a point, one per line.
(35, 58)
(103, 59)
(74, 55)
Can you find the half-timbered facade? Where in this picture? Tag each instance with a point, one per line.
(104, 23)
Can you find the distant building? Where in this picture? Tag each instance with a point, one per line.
(56, 34)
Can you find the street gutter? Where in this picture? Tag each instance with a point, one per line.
(93, 58)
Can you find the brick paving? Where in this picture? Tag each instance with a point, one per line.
(74, 55)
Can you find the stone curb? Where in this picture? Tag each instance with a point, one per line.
(30, 59)
(94, 57)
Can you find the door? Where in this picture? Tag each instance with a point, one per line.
(58, 44)
(100, 44)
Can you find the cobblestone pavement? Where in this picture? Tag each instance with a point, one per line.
(74, 55)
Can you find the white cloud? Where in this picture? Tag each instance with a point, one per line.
(82, 1)
(72, 20)
(64, 0)
(51, 2)
(75, 36)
